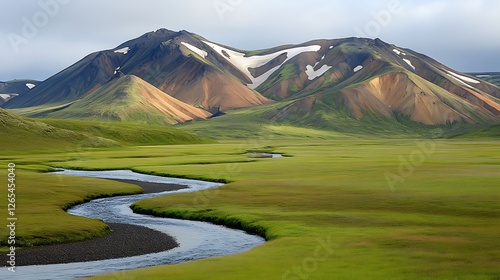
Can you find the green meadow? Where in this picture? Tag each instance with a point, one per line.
(335, 208)
(435, 218)
(40, 203)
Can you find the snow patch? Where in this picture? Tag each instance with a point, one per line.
(30, 86)
(398, 52)
(196, 50)
(8, 96)
(409, 63)
(313, 74)
(460, 81)
(331, 47)
(463, 78)
(123, 50)
(357, 68)
(244, 63)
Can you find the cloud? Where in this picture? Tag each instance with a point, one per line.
(461, 34)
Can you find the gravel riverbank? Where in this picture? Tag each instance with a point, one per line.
(124, 241)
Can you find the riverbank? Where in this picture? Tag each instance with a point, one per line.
(149, 187)
(124, 240)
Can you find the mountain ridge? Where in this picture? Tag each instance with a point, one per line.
(359, 75)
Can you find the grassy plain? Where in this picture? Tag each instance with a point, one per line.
(341, 209)
(24, 135)
(41, 201)
(438, 220)
(34, 146)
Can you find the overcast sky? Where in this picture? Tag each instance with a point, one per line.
(41, 37)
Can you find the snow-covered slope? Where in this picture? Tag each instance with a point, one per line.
(245, 63)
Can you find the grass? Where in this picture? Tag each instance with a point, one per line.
(438, 222)
(41, 201)
(323, 122)
(254, 123)
(130, 133)
(24, 135)
(326, 209)
(477, 132)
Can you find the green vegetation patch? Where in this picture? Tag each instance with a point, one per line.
(129, 133)
(378, 205)
(41, 201)
(22, 134)
(376, 208)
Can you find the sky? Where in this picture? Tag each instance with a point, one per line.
(39, 38)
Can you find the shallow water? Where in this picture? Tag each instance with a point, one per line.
(264, 155)
(197, 240)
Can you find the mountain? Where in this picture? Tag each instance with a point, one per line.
(370, 77)
(311, 84)
(14, 88)
(161, 58)
(128, 98)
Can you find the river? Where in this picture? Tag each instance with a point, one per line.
(197, 240)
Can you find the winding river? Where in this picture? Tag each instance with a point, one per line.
(197, 240)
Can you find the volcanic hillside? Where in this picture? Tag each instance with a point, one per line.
(161, 58)
(355, 77)
(130, 99)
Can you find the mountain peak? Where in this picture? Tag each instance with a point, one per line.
(355, 75)
(131, 99)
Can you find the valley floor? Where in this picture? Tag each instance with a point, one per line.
(344, 209)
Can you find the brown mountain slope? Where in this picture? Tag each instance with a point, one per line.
(317, 81)
(182, 70)
(164, 59)
(213, 91)
(129, 98)
(398, 93)
(371, 77)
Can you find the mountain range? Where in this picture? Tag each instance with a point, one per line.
(11, 89)
(176, 77)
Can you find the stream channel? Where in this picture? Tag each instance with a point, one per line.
(197, 240)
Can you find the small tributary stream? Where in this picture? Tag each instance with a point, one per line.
(197, 240)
